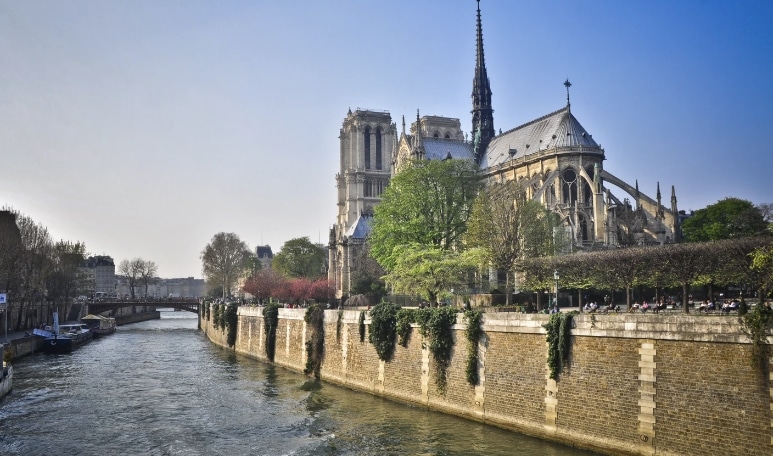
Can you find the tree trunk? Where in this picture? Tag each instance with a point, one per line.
(579, 299)
(507, 289)
(628, 296)
(685, 303)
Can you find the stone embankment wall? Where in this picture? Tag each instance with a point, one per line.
(125, 319)
(635, 385)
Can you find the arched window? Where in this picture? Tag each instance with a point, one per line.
(366, 147)
(378, 149)
(569, 187)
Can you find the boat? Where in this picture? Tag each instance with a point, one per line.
(6, 382)
(99, 325)
(64, 338)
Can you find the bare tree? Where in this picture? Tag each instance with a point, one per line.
(148, 275)
(224, 260)
(132, 270)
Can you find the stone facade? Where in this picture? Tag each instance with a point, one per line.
(635, 384)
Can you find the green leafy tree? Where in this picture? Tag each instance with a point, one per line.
(428, 271)
(299, 257)
(726, 219)
(428, 204)
(509, 227)
(224, 260)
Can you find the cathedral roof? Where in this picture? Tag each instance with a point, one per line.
(439, 148)
(360, 229)
(558, 129)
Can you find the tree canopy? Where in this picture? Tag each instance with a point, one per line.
(728, 218)
(509, 227)
(426, 204)
(224, 260)
(299, 257)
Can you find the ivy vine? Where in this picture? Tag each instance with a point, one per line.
(232, 322)
(362, 326)
(436, 325)
(403, 326)
(757, 324)
(208, 309)
(216, 316)
(315, 346)
(339, 325)
(270, 321)
(221, 316)
(473, 333)
(382, 334)
(558, 336)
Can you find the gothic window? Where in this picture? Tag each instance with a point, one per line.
(448, 136)
(587, 193)
(366, 148)
(378, 149)
(368, 190)
(569, 186)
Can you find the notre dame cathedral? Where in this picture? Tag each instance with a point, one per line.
(556, 160)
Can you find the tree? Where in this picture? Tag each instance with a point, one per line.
(726, 219)
(300, 258)
(224, 260)
(426, 204)
(132, 270)
(62, 280)
(428, 271)
(148, 275)
(264, 284)
(509, 227)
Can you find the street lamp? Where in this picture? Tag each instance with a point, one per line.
(555, 277)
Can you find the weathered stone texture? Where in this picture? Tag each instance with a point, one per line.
(635, 385)
(516, 368)
(709, 400)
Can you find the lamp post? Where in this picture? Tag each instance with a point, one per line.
(555, 277)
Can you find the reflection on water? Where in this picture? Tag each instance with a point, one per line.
(160, 388)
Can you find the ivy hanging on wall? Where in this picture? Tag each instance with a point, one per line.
(221, 316)
(436, 324)
(558, 337)
(339, 325)
(208, 309)
(473, 333)
(270, 321)
(315, 321)
(232, 322)
(403, 326)
(216, 316)
(362, 326)
(382, 334)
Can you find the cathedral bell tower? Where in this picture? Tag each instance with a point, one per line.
(482, 113)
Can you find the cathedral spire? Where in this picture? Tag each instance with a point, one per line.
(482, 113)
(418, 147)
(567, 84)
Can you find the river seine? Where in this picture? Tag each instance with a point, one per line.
(160, 388)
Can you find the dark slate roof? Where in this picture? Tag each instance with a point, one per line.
(439, 148)
(361, 228)
(264, 251)
(555, 130)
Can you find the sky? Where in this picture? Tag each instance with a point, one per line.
(142, 128)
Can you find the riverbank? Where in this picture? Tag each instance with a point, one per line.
(633, 385)
(21, 343)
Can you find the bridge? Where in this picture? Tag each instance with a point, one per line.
(190, 304)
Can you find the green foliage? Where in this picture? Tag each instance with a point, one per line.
(339, 325)
(436, 324)
(403, 326)
(315, 319)
(383, 322)
(757, 325)
(224, 260)
(216, 316)
(427, 203)
(473, 334)
(270, 322)
(300, 257)
(726, 219)
(232, 322)
(430, 270)
(362, 326)
(221, 317)
(558, 337)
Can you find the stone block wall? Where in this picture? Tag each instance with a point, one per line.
(635, 384)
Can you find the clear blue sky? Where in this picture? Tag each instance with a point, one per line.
(145, 127)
